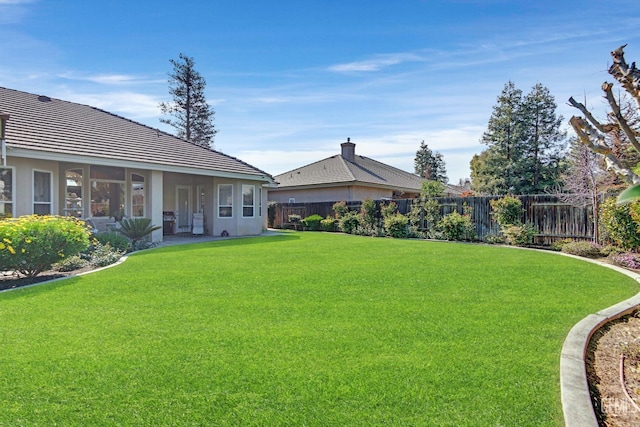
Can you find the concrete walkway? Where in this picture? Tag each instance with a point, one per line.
(182, 239)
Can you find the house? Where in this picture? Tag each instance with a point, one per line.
(64, 158)
(347, 177)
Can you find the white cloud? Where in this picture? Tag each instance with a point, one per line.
(136, 106)
(376, 63)
(110, 79)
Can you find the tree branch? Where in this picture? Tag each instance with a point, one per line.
(602, 128)
(627, 76)
(587, 135)
(617, 116)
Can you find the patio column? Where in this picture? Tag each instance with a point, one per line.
(156, 203)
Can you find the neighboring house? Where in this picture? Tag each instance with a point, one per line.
(347, 177)
(64, 158)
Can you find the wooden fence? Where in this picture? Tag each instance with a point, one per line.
(553, 219)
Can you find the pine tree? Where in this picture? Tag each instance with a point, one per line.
(525, 145)
(192, 116)
(544, 142)
(430, 165)
(504, 138)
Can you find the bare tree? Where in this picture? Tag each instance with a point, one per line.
(600, 137)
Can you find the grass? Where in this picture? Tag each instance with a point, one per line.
(309, 329)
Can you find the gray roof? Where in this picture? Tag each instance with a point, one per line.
(49, 125)
(337, 170)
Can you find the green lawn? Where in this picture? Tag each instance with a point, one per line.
(310, 329)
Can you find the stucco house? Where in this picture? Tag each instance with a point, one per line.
(64, 158)
(347, 177)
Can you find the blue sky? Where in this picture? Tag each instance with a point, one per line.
(291, 80)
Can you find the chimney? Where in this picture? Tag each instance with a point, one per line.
(349, 150)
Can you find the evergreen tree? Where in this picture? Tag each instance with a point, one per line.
(192, 116)
(525, 145)
(504, 138)
(543, 144)
(430, 165)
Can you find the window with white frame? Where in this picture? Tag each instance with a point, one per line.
(225, 200)
(6, 192)
(137, 195)
(248, 200)
(41, 192)
(260, 201)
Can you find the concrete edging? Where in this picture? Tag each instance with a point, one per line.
(574, 386)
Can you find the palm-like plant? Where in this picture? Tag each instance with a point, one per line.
(137, 229)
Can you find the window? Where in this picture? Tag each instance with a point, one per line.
(248, 200)
(6, 192)
(137, 195)
(73, 195)
(225, 200)
(41, 193)
(260, 201)
(107, 191)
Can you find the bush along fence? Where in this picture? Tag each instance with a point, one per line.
(550, 218)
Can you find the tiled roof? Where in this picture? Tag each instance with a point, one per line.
(51, 125)
(338, 170)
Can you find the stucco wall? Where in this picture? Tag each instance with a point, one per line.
(331, 194)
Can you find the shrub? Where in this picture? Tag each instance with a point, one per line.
(271, 214)
(349, 222)
(32, 244)
(519, 235)
(312, 222)
(340, 209)
(583, 249)
(328, 224)
(627, 260)
(388, 209)
(103, 255)
(457, 227)
(116, 240)
(396, 225)
(507, 211)
(137, 229)
(71, 263)
(618, 225)
(368, 219)
(558, 244)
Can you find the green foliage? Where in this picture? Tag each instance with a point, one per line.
(457, 227)
(396, 225)
(430, 165)
(328, 224)
(507, 211)
(271, 214)
(583, 249)
(103, 255)
(388, 209)
(114, 239)
(71, 263)
(340, 209)
(312, 222)
(32, 244)
(368, 213)
(431, 189)
(349, 222)
(525, 145)
(519, 235)
(189, 112)
(137, 229)
(618, 224)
